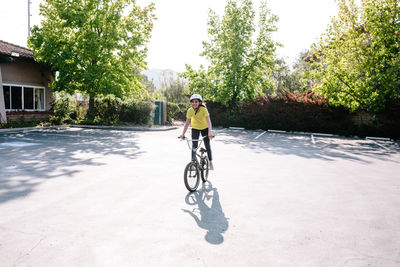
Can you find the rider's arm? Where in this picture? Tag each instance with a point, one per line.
(210, 135)
(185, 127)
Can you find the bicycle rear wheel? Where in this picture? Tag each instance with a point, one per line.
(205, 164)
(191, 176)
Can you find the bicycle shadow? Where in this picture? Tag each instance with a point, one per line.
(211, 218)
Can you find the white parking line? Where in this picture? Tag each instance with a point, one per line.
(258, 136)
(312, 139)
(379, 144)
(377, 138)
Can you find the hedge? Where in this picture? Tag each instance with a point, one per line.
(177, 111)
(306, 113)
(110, 108)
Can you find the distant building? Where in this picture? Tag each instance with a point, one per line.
(24, 85)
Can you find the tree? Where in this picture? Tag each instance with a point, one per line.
(148, 85)
(95, 46)
(292, 79)
(240, 63)
(282, 76)
(356, 62)
(300, 82)
(174, 88)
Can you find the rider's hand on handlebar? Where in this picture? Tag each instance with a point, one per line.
(181, 137)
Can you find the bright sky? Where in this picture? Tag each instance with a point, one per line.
(182, 26)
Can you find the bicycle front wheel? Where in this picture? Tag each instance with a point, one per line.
(191, 176)
(205, 164)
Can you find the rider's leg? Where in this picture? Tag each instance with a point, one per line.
(204, 133)
(195, 135)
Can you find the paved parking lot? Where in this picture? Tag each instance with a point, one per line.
(86, 197)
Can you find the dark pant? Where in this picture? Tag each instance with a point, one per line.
(206, 140)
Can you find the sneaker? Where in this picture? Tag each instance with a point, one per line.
(211, 167)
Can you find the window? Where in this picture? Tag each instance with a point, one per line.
(16, 97)
(7, 96)
(39, 98)
(23, 97)
(28, 98)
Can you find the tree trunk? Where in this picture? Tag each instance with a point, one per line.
(90, 114)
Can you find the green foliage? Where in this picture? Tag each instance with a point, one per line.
(298, 79)
(63, 108)
(17, 124)
(107, 107)
(240, 62)
(356, 62)
(138, 112)
(157, 95)
(148, 85)
(110, 109)
(174, 89)
(292, 80)
(96, 46)
(177, 111)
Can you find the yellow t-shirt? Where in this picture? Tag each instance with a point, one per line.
(198, 121)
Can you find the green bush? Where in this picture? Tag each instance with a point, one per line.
(177, 111)
(110, 109)
(107, 108)
(63, 109)
(135, 111)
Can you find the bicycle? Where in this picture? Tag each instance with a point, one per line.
(198, 166)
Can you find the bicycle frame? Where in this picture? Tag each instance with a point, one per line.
(199, 161)
(190, 141)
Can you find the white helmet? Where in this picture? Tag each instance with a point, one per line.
(196, 96)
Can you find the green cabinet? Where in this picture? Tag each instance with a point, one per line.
(160, 113)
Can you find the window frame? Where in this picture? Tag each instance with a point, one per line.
(23, 96)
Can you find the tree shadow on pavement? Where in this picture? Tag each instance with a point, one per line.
(211, 218)
(326, 148)
(50, 154)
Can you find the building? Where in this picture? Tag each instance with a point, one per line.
(24, 85)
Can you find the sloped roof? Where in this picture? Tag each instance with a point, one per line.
(15, 50)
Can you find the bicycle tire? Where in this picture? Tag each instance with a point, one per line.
(188, 175)
(205, 169)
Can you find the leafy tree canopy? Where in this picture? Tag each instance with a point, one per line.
(241, 56)
(174, 88)
(96, 46)
(356, 63)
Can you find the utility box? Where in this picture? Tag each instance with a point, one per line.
(160, 113)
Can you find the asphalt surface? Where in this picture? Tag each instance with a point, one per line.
(92, 197)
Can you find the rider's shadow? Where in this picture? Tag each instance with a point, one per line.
(211, 218)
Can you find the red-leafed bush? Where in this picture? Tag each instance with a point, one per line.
(304, 112)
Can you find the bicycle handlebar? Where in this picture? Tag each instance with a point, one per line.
(202, 138)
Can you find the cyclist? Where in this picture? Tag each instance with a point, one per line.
(199, 118)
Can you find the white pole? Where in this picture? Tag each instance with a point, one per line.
(29, 18)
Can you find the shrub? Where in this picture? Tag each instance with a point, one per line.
(177, 111)
(63, 109)
(107, 108)
(291, 112)
(136, 111)
(110, 109)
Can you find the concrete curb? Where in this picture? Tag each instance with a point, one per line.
(24, 128)
(102, 127)
(126, 128)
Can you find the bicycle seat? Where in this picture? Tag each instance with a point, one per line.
(203, 150)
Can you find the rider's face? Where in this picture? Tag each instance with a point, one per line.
(195, 103)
